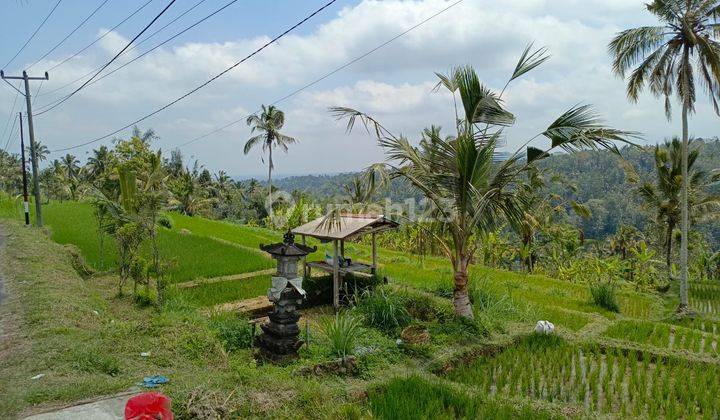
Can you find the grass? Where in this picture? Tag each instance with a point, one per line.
(87, 343)
(613, 382)
(604, 295)
(417, 398)
(342, 332)
(188, 256)
(212, 294)
(664, 336)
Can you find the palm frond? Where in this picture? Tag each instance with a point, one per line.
(252, 142)
(580, 127)
(480, 104)
(529, 60)
(631, 45)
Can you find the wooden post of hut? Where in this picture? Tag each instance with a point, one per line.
(336, 276)
(374, 254)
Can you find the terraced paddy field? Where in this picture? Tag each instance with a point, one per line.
(605, 380)
(640, 362)
(188, 256)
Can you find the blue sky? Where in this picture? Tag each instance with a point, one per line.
(394, 84)
(245, 18)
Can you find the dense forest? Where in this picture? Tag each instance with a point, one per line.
(603, 181)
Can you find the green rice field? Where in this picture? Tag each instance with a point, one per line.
(609, 380)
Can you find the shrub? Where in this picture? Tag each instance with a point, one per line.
(384, 309)
(165, 221)
(603, 295)
(233, 332)
(342, 331)
(357, 285)
(319, 291)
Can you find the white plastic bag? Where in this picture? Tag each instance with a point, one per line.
(544, 327)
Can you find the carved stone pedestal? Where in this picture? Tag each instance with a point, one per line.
(280, 340)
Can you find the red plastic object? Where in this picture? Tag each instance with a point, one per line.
(148, 406)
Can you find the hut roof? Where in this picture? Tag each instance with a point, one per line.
(349, 226)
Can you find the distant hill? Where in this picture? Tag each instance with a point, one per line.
(598, 175)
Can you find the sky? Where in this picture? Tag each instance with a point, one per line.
(394, 84)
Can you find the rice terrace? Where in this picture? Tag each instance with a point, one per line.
(357, 209)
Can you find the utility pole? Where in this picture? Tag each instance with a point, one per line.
(26, 206)
(33, 145)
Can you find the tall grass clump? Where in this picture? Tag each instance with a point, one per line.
(233, 331)
(342, 331)
(492, 306)
(384, 309)
(604, 295)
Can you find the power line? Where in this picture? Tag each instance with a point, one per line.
(49, 104)
(10, 135)
(99, 38)
(33, 34)
(175, 19)
(111, 60)
(217, 76)
(12, 142)
(326, 75)
(12, 113)
(70, 34)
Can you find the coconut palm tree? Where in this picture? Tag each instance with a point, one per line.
(71, 165)
(470, 190)
(41, 151)
(100, 162)
(664, 196)
(146, 137)
(268, 124)
(668, 58)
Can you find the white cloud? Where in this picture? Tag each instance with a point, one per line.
(393, 84)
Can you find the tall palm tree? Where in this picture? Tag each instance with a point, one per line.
(664, 196)
(100, 162)
(470, 190)
(669, 58)
(146, 137)
(268, 124)
(41, 151)
(71, 164)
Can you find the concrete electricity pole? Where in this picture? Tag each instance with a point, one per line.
(26, 207)
(33, 145)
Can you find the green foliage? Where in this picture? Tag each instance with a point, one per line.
(384, 309)
(610, 380)
(165, 221)
(233, 331)
(342, 332)
(604, 295)
(414, 397)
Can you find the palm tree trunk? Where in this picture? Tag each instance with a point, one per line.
(684, 213)
(270, 168)
(668, 248)
(461, 300)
